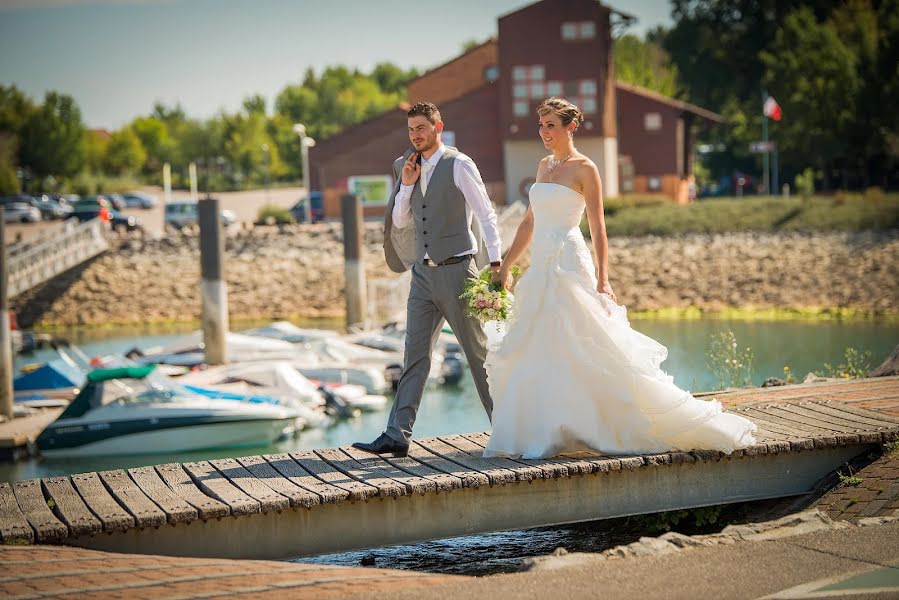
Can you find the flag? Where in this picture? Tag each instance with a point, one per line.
(772, 109)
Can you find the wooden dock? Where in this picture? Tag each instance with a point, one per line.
(17, 436)
(289, 505)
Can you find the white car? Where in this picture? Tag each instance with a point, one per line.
(19, 212)
(183, 213)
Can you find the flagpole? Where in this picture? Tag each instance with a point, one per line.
(765, 158)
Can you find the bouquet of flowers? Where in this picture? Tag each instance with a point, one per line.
(488, 301)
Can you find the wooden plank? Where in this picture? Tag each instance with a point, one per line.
(470, 478)
(295, 473)
(178, 480)
(443, 482)
(414, 484)
(836, 411)
(176, 508)
(788, 438)
(845, 432)
(214, 484)
(264, 472)
(14, 527)
(601, 463)
(552, 468)
(437, 447)
(821, 435)
(30, 497)
(69, 507)
(126, 492)
(94, 494)
(269, 500)
(522, 472)
(387, 487)
(320, 468)
(856, 410)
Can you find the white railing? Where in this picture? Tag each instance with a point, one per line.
(54, 254)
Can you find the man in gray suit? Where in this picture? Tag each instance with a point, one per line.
(428, 228)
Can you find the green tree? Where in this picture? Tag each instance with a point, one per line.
(52, 138)
(646, 64)
(154, 136)
(124, 153)
(813, 75)
(95, 143)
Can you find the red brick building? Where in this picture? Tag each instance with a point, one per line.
(641, 141)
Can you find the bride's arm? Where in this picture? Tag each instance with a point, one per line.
(596, 219)
(523, 237)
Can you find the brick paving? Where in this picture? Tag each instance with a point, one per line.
(873, 491)
(68, 572)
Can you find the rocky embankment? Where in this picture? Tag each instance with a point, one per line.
(297, 271)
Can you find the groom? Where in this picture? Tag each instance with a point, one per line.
(428, 227)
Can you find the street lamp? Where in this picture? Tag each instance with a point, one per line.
(306, 142)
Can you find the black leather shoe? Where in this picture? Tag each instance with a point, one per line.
(384, 445)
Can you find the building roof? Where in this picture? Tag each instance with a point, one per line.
(673, 102)
(490, 41)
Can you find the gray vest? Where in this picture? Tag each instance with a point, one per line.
(441, 227)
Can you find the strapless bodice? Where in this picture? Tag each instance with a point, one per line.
(557, 208)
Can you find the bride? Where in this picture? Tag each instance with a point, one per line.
(570, 374)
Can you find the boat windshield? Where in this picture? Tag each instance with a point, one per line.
(152, 388)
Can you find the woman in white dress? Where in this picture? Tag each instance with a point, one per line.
(570, 374)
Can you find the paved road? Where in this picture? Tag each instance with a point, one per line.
(245, 205)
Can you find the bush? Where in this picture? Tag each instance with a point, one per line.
(274, 214)
(805, 183)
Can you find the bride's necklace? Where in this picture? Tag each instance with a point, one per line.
(554, 162)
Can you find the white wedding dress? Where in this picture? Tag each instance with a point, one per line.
(570, 374)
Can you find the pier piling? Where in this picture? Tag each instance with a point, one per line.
(213, 290)
(354, 268)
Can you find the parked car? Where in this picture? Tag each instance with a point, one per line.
(140, 200)
(315, 201)
(87, 210)
(50, 208)
(117, 200)
(20, 212)
(184, 213)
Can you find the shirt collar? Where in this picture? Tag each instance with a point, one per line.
(435, 158)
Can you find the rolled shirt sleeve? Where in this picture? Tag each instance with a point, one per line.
(468, 180)
(402, 207)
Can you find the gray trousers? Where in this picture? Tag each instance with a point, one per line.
(434, 297)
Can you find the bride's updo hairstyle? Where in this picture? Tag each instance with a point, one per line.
(565, 110)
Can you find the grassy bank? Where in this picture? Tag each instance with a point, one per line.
(641, 215)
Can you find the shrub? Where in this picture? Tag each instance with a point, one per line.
(274, 214)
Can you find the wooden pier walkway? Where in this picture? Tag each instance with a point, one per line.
(289, 505)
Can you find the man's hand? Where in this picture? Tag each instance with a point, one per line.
(411, 169)
(499, 276)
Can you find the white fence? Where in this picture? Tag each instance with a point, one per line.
(41, 259)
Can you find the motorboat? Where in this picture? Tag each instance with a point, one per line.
(288, 332)
(138, 410)
(189, 351)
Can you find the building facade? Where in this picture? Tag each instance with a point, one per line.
(641, 141)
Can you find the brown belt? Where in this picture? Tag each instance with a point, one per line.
(450, 261)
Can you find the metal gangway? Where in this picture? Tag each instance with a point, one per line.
(41, 258)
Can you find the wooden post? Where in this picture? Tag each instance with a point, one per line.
(6, 375)
(354, 268)
(213, 291)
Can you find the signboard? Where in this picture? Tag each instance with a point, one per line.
(761, 147)
(372, 190)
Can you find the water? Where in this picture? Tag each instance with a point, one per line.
(803, 345)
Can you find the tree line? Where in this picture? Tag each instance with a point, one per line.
(833, 65)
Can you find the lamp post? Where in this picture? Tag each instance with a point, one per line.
(306, 142)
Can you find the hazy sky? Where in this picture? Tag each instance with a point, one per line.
(116, 58)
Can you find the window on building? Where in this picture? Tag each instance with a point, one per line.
(578, 30)
(553, 88)
(652, 121)
(520, 90)
(519, 73)
(491, 73)
(528, 85)
(520, 108)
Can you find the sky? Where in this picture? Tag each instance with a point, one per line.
(119, 57)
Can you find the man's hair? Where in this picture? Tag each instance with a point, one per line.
(427, 110)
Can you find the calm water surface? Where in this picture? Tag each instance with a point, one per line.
(803, 345)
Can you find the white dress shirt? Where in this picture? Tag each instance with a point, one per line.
(468, 179)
